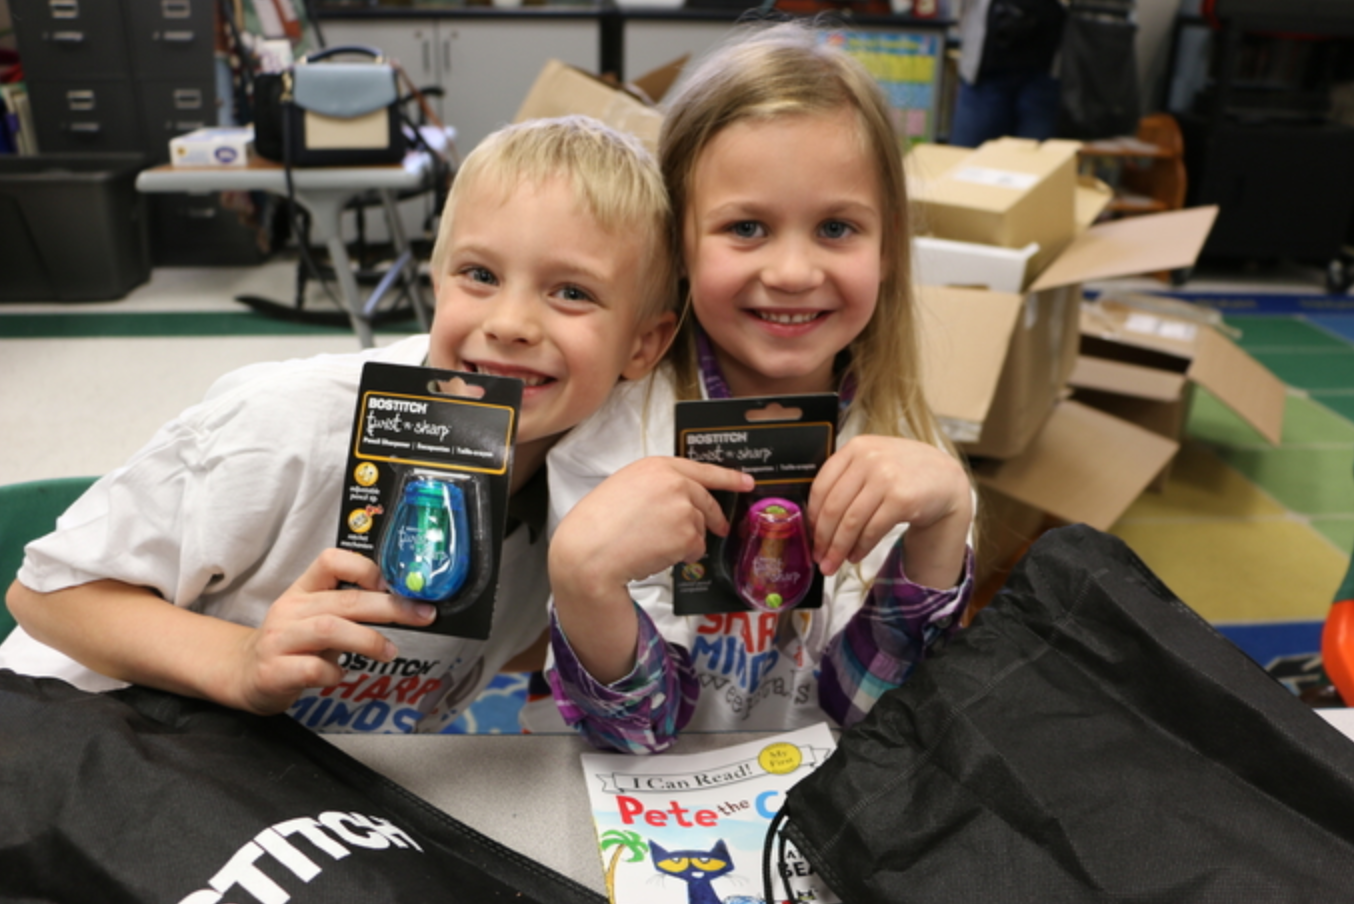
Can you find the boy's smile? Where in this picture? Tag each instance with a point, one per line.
(535, 289)
(783, 238)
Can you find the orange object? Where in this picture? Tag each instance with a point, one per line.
(1337, 647)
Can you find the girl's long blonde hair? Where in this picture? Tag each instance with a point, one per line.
(782, 70)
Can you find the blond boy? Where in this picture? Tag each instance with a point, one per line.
(204, 565)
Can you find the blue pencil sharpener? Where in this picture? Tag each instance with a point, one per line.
(426, 551)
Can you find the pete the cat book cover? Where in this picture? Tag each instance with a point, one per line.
(690, 828)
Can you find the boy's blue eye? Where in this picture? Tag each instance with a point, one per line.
(574, 293)
(835, 229)
(746, 229)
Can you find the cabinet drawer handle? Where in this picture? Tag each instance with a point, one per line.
(189, 125)
(176, 9)
(68, 37)
(85, 128)
(64, 9)
(80, 101)
(177, 37)
(187, 99)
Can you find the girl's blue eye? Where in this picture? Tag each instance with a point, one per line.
(835, 229)
(746, 229)
(481, 275)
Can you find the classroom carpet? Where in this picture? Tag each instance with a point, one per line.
(1254, 537)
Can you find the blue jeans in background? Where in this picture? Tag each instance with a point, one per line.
(1021, 104)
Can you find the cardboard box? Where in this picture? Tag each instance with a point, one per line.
(1141, 357)
(1009, 192)
(561, 89)
(995, 364)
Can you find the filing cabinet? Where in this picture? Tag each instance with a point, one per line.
(171, 39)
(71, 38)
(127, 76)
(85, 115)
(172, 107)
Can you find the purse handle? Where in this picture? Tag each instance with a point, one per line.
(346, 48)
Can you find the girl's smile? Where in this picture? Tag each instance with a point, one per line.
(783, 237)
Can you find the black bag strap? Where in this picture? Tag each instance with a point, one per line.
(328, 52)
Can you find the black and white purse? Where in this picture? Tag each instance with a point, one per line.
(324, 112)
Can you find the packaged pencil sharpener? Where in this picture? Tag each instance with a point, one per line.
(428, 479)
(765, 563)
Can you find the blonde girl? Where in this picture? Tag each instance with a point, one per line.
(791, 207)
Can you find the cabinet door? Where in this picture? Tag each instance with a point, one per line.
(488, 67)
(649, 45)
(411, 42)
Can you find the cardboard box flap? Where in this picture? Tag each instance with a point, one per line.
(561, 89)
(655, 84)
(1242, 383)
(1083, 466)
(1128, 326)
(1126, 379)
(963, 337)
(1133, 245)
(1206, 356)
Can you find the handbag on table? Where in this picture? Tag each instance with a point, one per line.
(324, 112)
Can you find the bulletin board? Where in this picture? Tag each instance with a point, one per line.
(908, 66)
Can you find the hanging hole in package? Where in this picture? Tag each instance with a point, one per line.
(427, 485)
(326, 112)
(765, 564)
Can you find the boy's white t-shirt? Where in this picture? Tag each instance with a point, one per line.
(758, 671)
(226, 507)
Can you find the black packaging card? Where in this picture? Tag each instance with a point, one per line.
(418, 426)
(782, 441)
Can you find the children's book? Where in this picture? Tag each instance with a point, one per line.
(690, 828)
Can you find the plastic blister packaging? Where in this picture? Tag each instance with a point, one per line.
(436, 547)
(767, 557)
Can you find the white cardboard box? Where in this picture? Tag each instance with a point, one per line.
(223, 146)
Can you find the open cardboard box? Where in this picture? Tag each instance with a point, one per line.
(1141, 357)
(1010, 192)
(995, 364)
(561, 89)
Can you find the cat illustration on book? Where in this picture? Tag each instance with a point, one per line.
(698, 869)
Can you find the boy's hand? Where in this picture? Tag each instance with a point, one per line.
(874, 483)
(305, 632)
(645, 518)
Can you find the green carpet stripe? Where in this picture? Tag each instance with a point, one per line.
(179, 323)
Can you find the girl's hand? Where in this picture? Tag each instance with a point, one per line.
(874, 483)
(643, 519)
(312, 625)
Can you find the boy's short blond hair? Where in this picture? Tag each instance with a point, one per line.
(613, 175)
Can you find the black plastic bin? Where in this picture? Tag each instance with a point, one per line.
(72, 227)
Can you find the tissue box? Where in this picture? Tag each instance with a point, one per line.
(227, 146)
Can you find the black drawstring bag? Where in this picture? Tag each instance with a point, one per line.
(1087, 738)
(140, 796)
(1099, 71)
